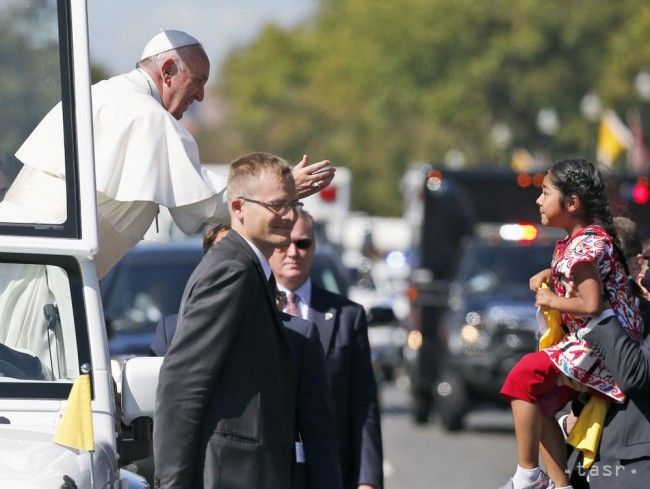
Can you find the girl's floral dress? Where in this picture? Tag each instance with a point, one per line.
(572, 355)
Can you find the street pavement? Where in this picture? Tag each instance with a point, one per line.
(425, 457)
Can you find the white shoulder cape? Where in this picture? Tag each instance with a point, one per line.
(141, 152)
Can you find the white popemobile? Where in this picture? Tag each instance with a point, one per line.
(52, 325)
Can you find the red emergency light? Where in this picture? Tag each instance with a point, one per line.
(641, 191)
(328, 194)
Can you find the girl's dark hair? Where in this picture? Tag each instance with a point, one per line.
(584, 179)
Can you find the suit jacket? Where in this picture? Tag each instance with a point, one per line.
(314, 409)
(343, 332)
(626, 433)
(225, 408)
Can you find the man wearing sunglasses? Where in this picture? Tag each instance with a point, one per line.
(343, 333)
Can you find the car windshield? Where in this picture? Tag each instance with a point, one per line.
(501, 268)
(143, 290)
(148, 284)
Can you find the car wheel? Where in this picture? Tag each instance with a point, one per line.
(452, 401)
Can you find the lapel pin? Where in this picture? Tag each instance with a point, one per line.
(329, 315)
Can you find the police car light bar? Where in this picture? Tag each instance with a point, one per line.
(518, 232)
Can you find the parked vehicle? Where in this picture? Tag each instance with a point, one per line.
(455, 203)
(489, 323)
(148, 284)
(387, 338)
(381, 294)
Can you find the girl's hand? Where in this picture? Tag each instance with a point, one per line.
(545, 298)
(538, 279)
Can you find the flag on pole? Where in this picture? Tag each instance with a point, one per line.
(75, 428)
(613, 138)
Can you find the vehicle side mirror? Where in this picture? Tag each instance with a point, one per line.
(139, 385)
(378, 315)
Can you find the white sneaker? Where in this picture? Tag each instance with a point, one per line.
(542, 482)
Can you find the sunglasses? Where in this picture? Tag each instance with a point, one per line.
(301, 244)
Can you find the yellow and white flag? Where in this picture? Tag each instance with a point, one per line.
(613, 138)
(75, 429)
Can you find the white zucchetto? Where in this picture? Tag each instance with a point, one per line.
(167, 40)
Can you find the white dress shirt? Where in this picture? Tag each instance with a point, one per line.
(263, 261)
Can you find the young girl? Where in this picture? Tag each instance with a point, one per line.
(588, 284)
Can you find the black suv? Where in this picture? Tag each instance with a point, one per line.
(488, 326)
(148, 283)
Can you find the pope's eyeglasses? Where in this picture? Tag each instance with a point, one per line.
(280, 207)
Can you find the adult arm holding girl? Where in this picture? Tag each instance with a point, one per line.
(627, 360)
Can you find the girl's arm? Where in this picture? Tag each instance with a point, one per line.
(587, 299)
(539, 278)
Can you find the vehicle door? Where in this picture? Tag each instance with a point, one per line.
(50, 312)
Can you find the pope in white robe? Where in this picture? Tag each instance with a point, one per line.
(144, 158)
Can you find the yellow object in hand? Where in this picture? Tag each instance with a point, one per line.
(554, 332)
(585, 435)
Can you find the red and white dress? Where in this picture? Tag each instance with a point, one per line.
(572, 356)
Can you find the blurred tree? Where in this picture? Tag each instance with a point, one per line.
(376, 85)
(98, 73)
(29, 77)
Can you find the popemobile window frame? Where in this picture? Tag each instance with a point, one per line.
(77, 235)
(47, 389)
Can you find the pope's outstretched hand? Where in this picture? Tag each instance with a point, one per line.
(311, 178)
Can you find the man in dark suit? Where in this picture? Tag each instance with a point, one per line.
(225, 409)
(317, 454)
(625, 442)
(623, 459)
(344, 335)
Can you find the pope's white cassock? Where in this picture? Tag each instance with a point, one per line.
(144, 158)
